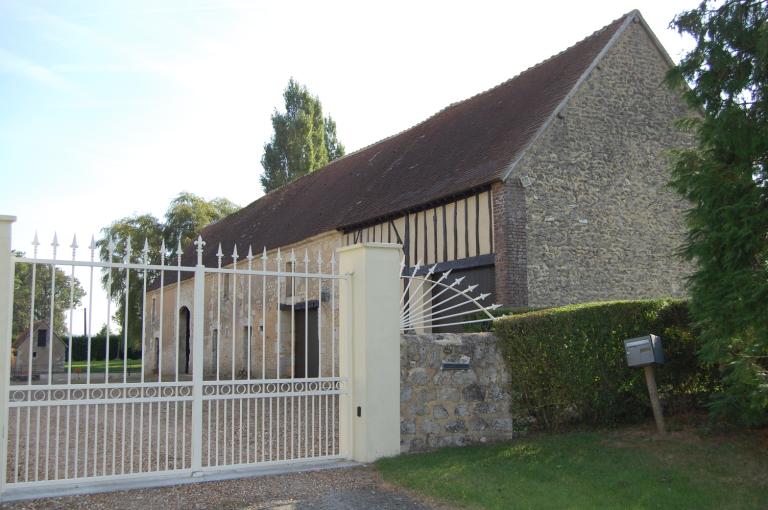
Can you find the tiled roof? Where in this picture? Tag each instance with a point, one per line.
(24, 335)
(466, 146)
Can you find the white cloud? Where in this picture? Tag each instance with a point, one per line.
(21, 67)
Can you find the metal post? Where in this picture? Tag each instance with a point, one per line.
(198, 320)
(6, 319)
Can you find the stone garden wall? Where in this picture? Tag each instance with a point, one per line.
(448, 407)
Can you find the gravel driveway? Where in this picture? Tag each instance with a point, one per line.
(345, 488)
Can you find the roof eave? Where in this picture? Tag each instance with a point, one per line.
(418, 207)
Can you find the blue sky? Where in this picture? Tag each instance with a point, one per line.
(112, 108)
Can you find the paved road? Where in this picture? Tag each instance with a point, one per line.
(353, 499)
(329, 489)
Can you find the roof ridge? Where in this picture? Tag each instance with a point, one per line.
(446, 108)
(626, 19)
(490, 89)
(531, 68)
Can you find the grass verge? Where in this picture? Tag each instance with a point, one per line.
(98, 367)
(627, 469)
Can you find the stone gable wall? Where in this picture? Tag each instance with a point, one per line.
(600, 222)
(452, 407)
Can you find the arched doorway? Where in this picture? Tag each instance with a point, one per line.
(184, 334)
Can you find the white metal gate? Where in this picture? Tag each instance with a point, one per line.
(219, 382)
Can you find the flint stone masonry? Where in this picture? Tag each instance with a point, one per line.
(586, 214)
(452, 407)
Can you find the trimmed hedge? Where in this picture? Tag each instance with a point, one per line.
(99, 348)
(567, 365)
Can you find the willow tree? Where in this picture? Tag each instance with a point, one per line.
(186, 216)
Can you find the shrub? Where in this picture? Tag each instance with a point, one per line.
(567, 365)
(99, 348)
(479, 327)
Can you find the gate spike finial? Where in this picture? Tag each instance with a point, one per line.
(162, 252)
(264, 254)
(306, 256)
(444, 276)
(128, 249)
(250, 253)
(234, 253)
(319, 259)
(35, 244)
(199, 245)
(483, 296)
(293, 256)
(92, 248)
(55, 244)
(145, 252)
(74, 246)
(178, 250)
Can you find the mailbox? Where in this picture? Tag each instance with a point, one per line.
(643, 351)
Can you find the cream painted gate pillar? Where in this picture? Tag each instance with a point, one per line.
(369, 351)
(6, 317)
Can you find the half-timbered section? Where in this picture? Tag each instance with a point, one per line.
(455, 235)
(441, 234)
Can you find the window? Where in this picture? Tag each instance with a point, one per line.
(42, 337)
(34, 354)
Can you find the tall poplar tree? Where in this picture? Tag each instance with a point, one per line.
(725, 179)
(302, 140)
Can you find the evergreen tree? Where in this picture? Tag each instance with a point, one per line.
(725, 180)
(303, 140)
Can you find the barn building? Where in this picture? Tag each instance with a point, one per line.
(547, 189)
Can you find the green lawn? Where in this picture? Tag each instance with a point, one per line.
(627, 469)
(115, 365)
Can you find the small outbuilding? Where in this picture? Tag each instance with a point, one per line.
(44, 344)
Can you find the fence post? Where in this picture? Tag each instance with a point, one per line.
(198, 323)
(6, 328)
(369, 351)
